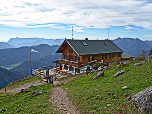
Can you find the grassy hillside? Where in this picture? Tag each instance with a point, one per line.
(105, 95)
(7, 76)
(24, 103)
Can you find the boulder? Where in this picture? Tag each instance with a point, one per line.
(24, 90)
(143, 99)
(31, 86)
(98, 75)
(137, 64)
(106, 67)
(92, 71)
(119, 73)
(36, 92)
(100, 68)
(150, 58)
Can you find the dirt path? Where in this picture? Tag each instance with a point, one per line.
(26, 85)
(58, 97)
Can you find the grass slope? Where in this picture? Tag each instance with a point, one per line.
(24, 103)
(105, 95)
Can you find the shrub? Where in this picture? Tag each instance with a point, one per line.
(116, 60)
(150, 52)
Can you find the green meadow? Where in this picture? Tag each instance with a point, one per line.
(100, 96)
(24, 103)
(105, 95)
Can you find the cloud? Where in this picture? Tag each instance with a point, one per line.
(77, 29)
(125, 31)
(147, 36)
(82, 13)
(128, 28)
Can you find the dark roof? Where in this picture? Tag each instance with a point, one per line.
(126, 56)
(91, 47)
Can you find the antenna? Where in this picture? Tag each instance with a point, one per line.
(72, 31)
(108, 35)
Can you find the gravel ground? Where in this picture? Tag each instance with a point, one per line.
(58, 97)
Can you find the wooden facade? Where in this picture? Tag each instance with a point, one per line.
(69, 54)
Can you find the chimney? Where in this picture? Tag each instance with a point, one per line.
(86, 38)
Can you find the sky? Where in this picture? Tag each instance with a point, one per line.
(53, 19)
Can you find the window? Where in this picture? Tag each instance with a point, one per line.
(70, 50)
(75, 58)
(85, 44)
(118, 55)
(111, 56)
(104, 57)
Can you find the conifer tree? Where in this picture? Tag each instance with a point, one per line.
(150, 52)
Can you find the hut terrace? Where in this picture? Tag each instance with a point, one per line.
(77, 53)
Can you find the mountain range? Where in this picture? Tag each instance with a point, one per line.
(19, 55)
(20, 42)
(133, 46)
(5, 45)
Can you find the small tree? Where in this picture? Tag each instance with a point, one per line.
(143, 53)
(150, 52)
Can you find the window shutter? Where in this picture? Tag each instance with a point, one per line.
(88, 58)
(78, 59)
(72, 57)
(93, 58)
(103, 57)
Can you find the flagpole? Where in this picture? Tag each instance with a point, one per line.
(30, 62)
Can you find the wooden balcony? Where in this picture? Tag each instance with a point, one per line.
(72, 63)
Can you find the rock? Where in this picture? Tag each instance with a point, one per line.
(106, 67)
(36, 92)
(24, 90)
(31, 86)
(143, 99)
(108, 104)
(100, 68)
(137, 64)
(92, 71)
(124, 87)
(98, 75)
(119, 73)
(150, 57)
(97, 89)
(41, 82)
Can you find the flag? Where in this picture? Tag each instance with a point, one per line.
(32, 50)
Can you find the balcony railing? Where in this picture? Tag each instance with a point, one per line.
(61, 61)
